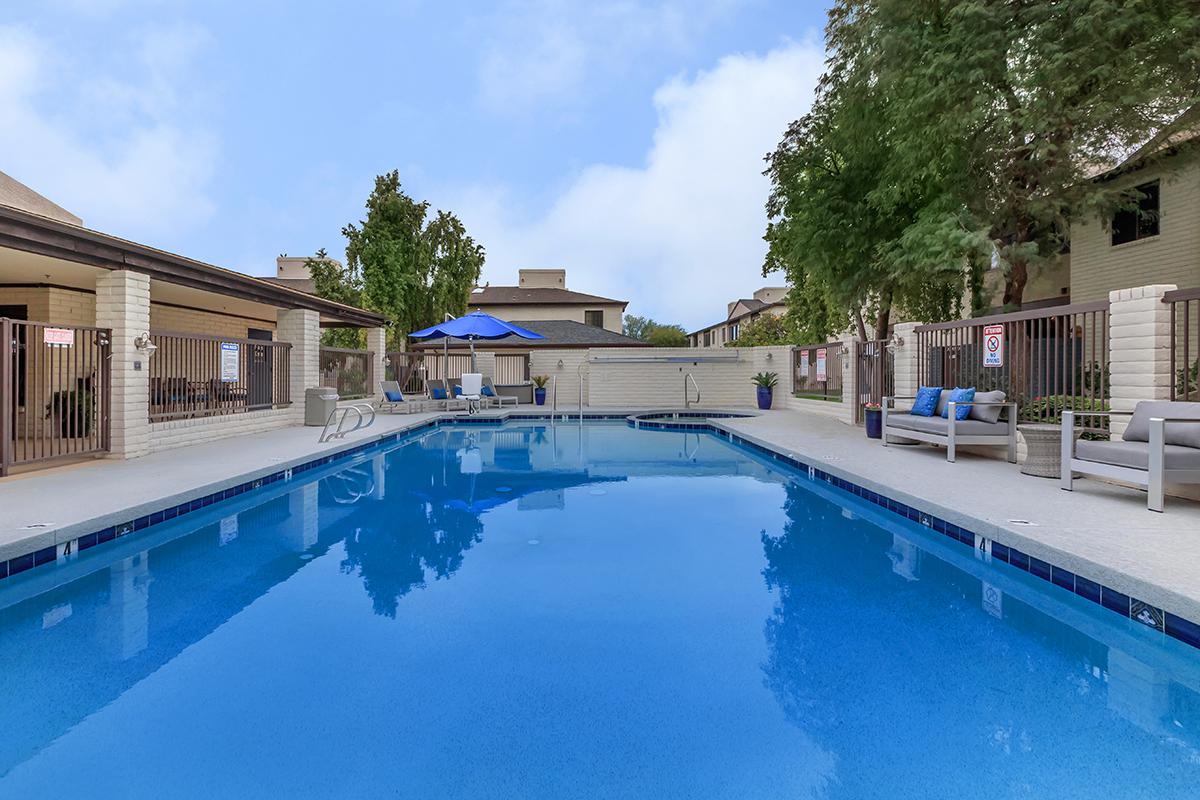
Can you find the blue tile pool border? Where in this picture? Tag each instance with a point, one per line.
(1158, 619)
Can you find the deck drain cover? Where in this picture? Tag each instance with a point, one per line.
(35, 525)
(1023, 522)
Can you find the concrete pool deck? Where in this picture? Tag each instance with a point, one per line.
(1100, 531)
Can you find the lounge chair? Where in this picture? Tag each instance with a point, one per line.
(472, 390)
(980, 428)
(394, 399)
(1161, 445)
(490, 394)
(439, 393)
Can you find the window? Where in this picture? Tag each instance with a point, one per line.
(1138, 223)
(594, 318)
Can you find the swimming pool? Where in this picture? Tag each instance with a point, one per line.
(574, 610)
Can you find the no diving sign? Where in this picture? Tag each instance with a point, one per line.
(993, 345)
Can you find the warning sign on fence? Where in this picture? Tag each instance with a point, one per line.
(59, 337)
(821, 352)
(231, 361)
(803, 363)
(993, 345)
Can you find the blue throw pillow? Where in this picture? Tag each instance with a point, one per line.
(393, 396)
(438, 394)
(458, 391)
(926, 402)
(958, 395)
(487, 392)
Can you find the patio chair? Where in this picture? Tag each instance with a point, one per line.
(1161, 445)
(981, 427)
(472, 390)
(490, 394)
(439, 393)
(394, 399)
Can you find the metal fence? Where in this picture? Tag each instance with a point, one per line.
(349, 370)
(54, 392)
(817, 371)
(193, 375)
(1046, 360)
(1185, 343)
(874, 365)
(412, 369)
(511, 369)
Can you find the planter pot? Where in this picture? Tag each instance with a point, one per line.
(539, 396)
(764, 398)
(874, 423)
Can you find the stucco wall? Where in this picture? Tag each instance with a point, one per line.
(1173, 256)
(612, 312)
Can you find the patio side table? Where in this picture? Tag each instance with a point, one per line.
(1043, 449)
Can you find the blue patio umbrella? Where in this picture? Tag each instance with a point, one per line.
(476, 325)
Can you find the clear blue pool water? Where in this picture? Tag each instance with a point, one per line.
(535, 611)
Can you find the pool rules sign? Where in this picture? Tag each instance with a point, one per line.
(993, 345)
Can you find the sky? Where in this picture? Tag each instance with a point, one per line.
(620, 140)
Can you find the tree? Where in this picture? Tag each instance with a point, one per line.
(1011, 106)
(658, 334)
(838, 230)
(333, 281)
(766, 330)
(667, 336)
(411, 269)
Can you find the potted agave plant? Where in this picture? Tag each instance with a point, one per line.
(539, 389)
(765, 381)
(873, 418)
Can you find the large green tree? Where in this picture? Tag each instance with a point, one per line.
(411, 268)
(658, 334)
(1009, 107)
(336, 282)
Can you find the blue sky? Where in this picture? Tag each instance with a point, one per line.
(620, 140)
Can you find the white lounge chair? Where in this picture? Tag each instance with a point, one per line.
(1161, 445)
(394, 399)
(490, 393)
(440, 392)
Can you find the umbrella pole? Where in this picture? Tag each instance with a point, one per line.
(472, 341)
(446, 361)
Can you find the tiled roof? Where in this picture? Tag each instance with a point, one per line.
(15, 194)
(516, 295)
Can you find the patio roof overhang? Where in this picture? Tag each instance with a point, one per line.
(31, 233)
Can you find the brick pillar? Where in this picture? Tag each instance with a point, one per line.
(1139, 341)
(849, 377)
(377, 344)
(123, 304)
(302, 328)
(905, 358)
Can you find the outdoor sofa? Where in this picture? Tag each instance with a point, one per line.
(996, 426)
(1160, 445)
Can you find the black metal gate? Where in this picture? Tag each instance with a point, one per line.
(874, 374)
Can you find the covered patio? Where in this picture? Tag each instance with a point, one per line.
(116, 349)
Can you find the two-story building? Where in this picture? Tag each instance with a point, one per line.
(767, 300)
(542, 294)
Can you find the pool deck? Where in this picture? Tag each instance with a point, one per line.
(1100, 531)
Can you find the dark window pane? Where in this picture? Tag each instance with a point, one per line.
(1131, 224)
(595, 318)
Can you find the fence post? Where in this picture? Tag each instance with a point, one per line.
(8, 401)
(1139, 336)
(123, 306)
(377, 346)
(302, 328)
(850, 378)
(905, 372)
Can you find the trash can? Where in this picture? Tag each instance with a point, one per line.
(319, 403)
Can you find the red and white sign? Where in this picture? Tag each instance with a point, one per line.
(59, 337)
(993, 345)
(803, 363)
(821, 352)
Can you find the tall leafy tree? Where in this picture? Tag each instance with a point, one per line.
(1010, 106)
(335, 282)
(412, 269)
(658, 334)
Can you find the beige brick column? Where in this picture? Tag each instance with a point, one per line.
(849, 377)
(1139, 341)
(302, 328)
(123, 304)
(377, 344)
(906, 359)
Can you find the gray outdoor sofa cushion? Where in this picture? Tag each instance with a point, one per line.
(1186, 434)
(1137, 454)
(966, 427)
(987, 413)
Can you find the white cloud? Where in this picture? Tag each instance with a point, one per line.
(540, 51)
(682, 234)
(119, 152)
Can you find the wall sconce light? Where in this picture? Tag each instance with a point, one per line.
(144, 345)
(560, 364)
(895, 341)
(387, 361)
(770, 356)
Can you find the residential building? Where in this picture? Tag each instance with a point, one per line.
(542, 294)
(121, 349)
(767, 300)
